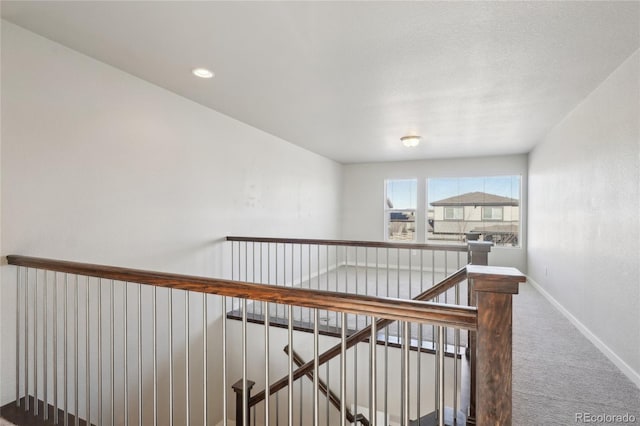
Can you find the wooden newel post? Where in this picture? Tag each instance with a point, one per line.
(478, 253)
(494, 288)
(240, 394)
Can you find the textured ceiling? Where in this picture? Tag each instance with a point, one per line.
(348, 79)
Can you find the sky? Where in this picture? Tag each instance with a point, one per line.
(402, 193)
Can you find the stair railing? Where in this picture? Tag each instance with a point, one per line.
(400, 270)
(247, 254)
(101, 344)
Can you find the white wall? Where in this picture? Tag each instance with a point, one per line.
(363, 195)
(100, 166)
(584, 233)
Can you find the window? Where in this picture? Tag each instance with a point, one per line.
(453, 213)
(492, 213)
(400, 209)
(485, 208)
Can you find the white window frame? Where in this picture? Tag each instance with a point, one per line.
(388, 210)
(424, 208)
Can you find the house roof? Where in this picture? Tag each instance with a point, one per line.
(477, 199)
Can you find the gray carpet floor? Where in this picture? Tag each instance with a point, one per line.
(558, 373)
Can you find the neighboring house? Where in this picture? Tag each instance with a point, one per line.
(494, 217)
(402, 225)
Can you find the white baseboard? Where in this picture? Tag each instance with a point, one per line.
(626, 369)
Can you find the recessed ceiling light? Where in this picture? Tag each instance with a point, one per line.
(202, 73)
(410, 141)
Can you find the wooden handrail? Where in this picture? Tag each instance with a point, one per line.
(381, 307)
(362, 335)
(350, 243)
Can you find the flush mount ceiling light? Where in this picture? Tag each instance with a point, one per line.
(202, 73)
(410, 141)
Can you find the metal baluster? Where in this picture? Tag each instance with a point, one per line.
(318, 273)
(440, 376)
(355, 380)
(433, 328)
(86, 355)
(343, 370)
(337, 266)
(126, 353)
(277, 409)
(293, 273)
(18, 337)
(355, 249)
(290, 388)
(406, 342)
(45, 341)
(111, 358)
(75, 358)
(308, 281)
(277, 269)
(446, 274)
(154, 332)
(420, 341)
(410, 274)
(99, 355)
(35, 347)
(253, 270)
(373, 372)
(398, 289)
(398, 279)
(422, 270)
(66, 350)
(224, 361)
(140, 355)
(205, 322)
(387, 263)
(267, 380)
(377, 273)
(419, 369)
(366, 279)
(436, 345)
(26, 341)
(316, 370)
(386, 356)
(433, 267)
(456, 348)
(186, 355)
(170, 319)
(232, 269)
(246, 261)
(326, 312)
(300, 402)
(327, 398)
(56, 417)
